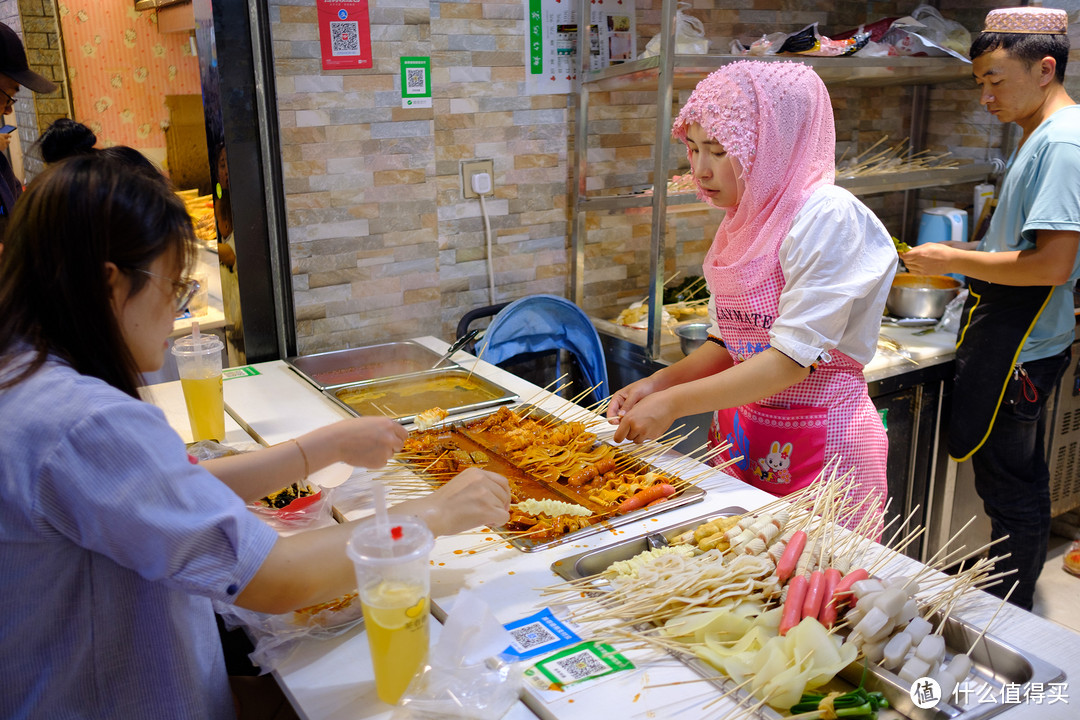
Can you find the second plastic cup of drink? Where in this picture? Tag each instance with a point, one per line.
(198, 361)
(393, 577)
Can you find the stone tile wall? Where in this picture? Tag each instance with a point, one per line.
(384, 246)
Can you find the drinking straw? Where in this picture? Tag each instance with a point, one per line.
(195, 334)
(382, 520)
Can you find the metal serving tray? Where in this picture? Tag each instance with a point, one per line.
(454, 389)
(685, 496)
(365, 364)
(996, 664)
(592, 562)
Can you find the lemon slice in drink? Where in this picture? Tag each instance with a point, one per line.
(392, 604)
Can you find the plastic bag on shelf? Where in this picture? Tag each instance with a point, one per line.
(877, 30)
(875, 49)
(463, 677)
(807, 41)
(926, 32)
(946, 33)
(689, 36)
(765, 45)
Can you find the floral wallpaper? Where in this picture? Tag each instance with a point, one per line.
(121, 68)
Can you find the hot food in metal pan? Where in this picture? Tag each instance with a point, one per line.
(562, 478)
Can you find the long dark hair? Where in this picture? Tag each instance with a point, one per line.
(54, 295)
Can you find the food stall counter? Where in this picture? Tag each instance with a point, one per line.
(331, 679)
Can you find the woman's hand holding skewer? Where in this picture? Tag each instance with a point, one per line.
(472, 498)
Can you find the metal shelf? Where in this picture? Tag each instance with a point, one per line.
(688, 70)
(912, 180)
(866, 185)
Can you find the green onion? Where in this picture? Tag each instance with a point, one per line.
(857, 704)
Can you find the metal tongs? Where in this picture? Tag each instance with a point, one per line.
(458, 344)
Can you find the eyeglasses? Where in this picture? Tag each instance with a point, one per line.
(184, 290)
(10, 100)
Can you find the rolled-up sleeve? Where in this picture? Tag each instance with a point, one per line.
(838, 262)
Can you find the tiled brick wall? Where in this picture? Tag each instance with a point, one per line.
(384, 246)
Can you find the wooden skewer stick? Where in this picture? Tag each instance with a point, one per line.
(993, 617)
(479, 355)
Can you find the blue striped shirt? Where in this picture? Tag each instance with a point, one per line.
(112, 546)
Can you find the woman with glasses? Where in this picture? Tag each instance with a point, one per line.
(113, 542)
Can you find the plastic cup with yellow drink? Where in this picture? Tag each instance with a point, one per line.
(393, 578)
(198, 362)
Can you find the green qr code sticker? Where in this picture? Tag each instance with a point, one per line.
(238, 372)
(576, 664)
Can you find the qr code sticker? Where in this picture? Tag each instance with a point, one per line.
(414, 80)
(345, 38)
(579, 666)
(532, 635)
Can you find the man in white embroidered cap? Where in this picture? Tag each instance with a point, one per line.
(15, 72)
(1018, 325)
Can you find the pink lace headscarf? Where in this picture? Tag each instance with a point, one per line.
(777, 120)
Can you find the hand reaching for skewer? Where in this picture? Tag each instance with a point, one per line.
(367, 442)
(641, 410)
(472, 498)
(646, 419)
(626, 398)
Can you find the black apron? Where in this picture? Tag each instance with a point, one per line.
(996, 321)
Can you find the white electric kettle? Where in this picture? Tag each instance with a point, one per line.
(943, 223)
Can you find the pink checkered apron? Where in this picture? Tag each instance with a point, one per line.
(785, 439)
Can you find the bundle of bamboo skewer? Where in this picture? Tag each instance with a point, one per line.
(896, 158)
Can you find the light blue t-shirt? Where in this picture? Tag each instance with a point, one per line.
(112, 546)
(1041, 191)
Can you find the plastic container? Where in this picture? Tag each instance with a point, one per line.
(198, 362)
(393, 578)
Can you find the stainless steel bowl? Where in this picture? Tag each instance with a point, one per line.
(692, 335)
(921, 296)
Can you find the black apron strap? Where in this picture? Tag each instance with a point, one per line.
(996, 321)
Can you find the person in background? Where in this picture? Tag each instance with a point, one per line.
(1018, 324)
(14, 73)
(798, 274)
(113, 541)
(64, 138)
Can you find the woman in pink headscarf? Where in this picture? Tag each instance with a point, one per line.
(798, 271)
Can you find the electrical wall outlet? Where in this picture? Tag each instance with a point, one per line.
(470, 168)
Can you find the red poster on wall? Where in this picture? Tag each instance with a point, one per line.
(344, 34)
